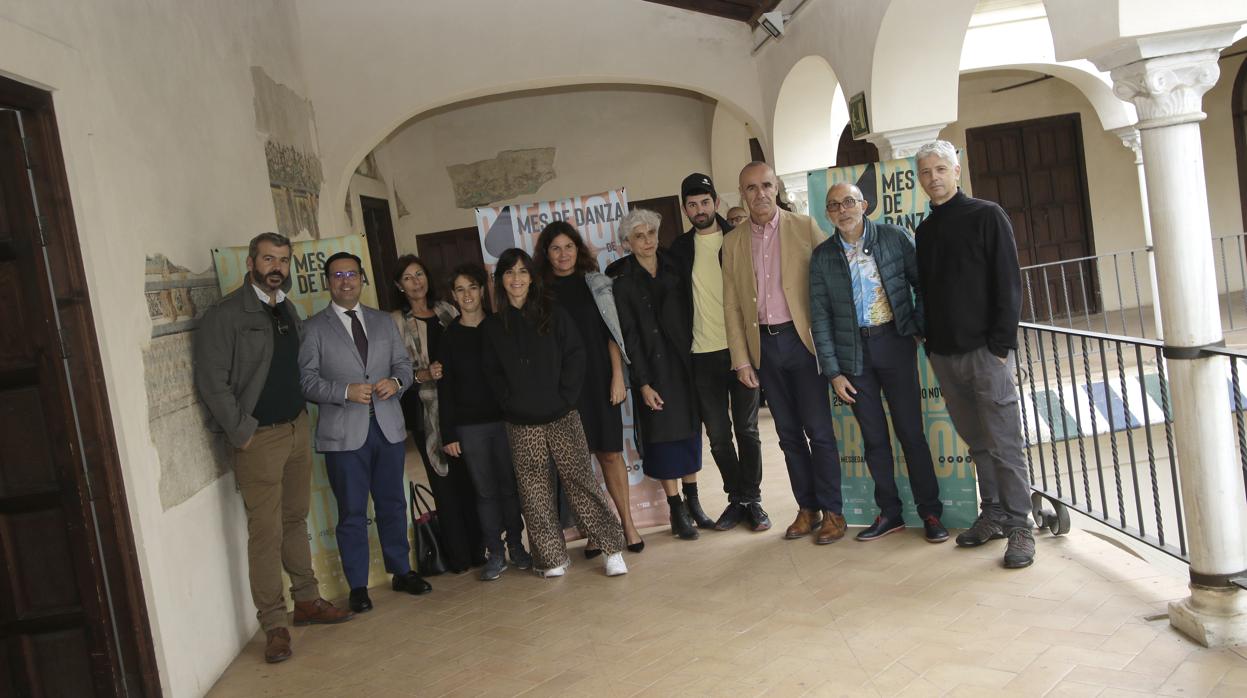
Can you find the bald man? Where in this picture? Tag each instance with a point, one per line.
(865, 321)
(766, 306)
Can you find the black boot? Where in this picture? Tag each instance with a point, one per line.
(693, 504)
(681, 524)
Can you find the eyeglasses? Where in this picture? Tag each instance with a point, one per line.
(283, 327)
(835, 206)
(342, 275)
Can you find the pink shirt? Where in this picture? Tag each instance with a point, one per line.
(772, 305)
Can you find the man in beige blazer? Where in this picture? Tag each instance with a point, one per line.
(766, 304)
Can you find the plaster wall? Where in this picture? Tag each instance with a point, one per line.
(645, 139)
(155, 108)
(362, 64)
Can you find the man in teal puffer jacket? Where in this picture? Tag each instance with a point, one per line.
(865, 321)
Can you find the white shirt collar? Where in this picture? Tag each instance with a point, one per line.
(281, 295)
(342, 311)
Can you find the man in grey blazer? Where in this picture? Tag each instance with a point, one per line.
(353, 364)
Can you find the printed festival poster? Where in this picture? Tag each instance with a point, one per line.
(596, 216)
(894, 196)
(310, 293)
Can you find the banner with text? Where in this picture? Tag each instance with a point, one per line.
(310, 293)
(596, 216)
(893, 196)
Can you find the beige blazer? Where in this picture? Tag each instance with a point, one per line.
(798, 236)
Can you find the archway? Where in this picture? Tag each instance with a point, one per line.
(1238, 109)
(809, 115)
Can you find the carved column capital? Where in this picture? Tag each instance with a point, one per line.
(904, 142)
(1131, 139)
(1167, 90)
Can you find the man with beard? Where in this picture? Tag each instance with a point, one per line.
(725, 404)
(247, 373)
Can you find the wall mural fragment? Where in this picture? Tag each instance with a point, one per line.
(191, 457)
(513, 173)
(291, 152)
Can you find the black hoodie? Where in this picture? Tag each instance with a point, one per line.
(536, 377)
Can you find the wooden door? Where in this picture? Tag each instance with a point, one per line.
(72, 620)
(444, 251)
(1035, 171)
(379, 228)
(672, 217)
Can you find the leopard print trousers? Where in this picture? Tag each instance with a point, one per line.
(532, 447)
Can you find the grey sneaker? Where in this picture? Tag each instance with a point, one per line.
(983, 529)
(520, 557)
(1021, 550)
(494, 567)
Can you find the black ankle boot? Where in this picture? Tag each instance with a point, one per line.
(693, 504)
(681, 523)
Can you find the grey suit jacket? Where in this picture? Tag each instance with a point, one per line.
(328, 361)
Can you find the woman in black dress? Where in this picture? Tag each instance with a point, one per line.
(654, 305)
(421, 320)
(569, 269)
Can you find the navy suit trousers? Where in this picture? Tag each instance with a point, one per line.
(375, 468)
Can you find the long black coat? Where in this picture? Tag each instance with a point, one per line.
(654, 314)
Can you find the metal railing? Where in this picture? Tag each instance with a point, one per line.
(1097, 422)
(1113, 293)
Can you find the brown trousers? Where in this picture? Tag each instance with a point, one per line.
(274, 476)
(532, 447)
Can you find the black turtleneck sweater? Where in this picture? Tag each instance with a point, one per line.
(968, 268)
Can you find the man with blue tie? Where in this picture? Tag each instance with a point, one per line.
(353, 364)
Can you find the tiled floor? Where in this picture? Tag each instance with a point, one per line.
(739, 614)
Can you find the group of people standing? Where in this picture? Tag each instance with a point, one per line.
(507, 407)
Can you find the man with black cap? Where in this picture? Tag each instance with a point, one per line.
(726, 405)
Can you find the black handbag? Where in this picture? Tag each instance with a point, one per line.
(428, 533)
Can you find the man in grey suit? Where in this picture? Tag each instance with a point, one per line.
(353, 364)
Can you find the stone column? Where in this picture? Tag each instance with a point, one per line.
(904, 142)
(1167, 92)
(1131, 139)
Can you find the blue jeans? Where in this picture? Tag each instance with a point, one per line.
(801, 406)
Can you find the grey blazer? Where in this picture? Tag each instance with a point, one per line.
(328, 361)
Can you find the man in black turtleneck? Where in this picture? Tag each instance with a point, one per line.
(968, 269)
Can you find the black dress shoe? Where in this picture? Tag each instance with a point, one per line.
(591, 553)
(360, 603)
(412, 583)
(731, 516)
(758, 519)
(693, 504)
(882, 526)
(635, 547)
(933, 529)
(682, 523)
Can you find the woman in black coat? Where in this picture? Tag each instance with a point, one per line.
(652, 300)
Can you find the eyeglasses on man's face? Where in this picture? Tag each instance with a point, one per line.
(835, 206)
(344, 275)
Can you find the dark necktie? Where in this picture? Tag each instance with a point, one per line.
(361, 339)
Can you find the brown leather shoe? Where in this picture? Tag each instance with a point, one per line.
(806, 523)
(833, 528)
(319, 611)
(278, 647)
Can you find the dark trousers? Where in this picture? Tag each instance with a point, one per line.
(455, 499)
(728, 407)
(801, 406)
(488, 458)
(982, 401)
(375, 468)
(890, 367)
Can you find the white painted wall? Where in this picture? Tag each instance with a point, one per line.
(809, 116)
(645, 139)
(729, 153)
(154, 104)
(376, 65)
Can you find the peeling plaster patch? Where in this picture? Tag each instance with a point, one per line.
(191, 457)
(398, 204)
(294, 166)
(513, 173)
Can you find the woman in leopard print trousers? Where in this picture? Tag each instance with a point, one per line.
(535, 362)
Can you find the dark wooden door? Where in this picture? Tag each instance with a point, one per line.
(1035, 171)
(381, 248)
(854, 152)
(446, 250)
(672, 217)
(72, 621)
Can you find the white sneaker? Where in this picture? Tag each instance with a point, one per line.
(615, 565)
(554, 571)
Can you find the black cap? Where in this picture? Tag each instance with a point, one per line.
(697, 183)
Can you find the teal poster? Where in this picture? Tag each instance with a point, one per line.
(894, 196)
